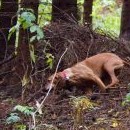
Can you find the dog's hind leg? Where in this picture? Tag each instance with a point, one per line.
(109, 67)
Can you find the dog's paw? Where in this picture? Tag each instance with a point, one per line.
(112, 86)
(107, 90)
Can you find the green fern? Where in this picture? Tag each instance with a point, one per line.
(13, 118)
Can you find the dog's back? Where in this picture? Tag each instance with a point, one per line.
(97, 62)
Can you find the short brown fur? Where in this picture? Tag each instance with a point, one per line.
(91, 69)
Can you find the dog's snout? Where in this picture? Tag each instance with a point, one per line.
(48, 86)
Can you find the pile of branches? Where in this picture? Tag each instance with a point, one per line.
(81, 42)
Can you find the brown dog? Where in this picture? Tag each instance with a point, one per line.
(90, 69)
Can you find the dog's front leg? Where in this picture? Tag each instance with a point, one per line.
(97, 80)
(88, 91)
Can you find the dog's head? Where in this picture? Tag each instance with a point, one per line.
(55, 80)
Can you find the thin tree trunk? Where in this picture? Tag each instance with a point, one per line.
(125, 26)
(23, 60)
(7, 20)
(65, 10)
(125, 21)
(87, 18)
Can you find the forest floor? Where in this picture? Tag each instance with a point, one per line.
(59, 110)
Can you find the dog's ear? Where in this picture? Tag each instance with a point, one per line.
(50, 83)
(58, 76)
(57, 81)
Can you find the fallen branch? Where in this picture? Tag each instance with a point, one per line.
(41, 104)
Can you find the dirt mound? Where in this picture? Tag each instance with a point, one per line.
(81, 42)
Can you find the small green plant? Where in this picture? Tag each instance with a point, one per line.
(27, 20)
(80, 105)
(26, 110)
(126, 100)
(20, 127)
(49, 60)
(16, 118)
(13, 118)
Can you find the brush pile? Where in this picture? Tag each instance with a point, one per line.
(81, 42)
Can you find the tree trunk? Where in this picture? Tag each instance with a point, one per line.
(23, 60)
(7, 20)
(23, 66)
(87, 18)
(65, 10)
(125, 21)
